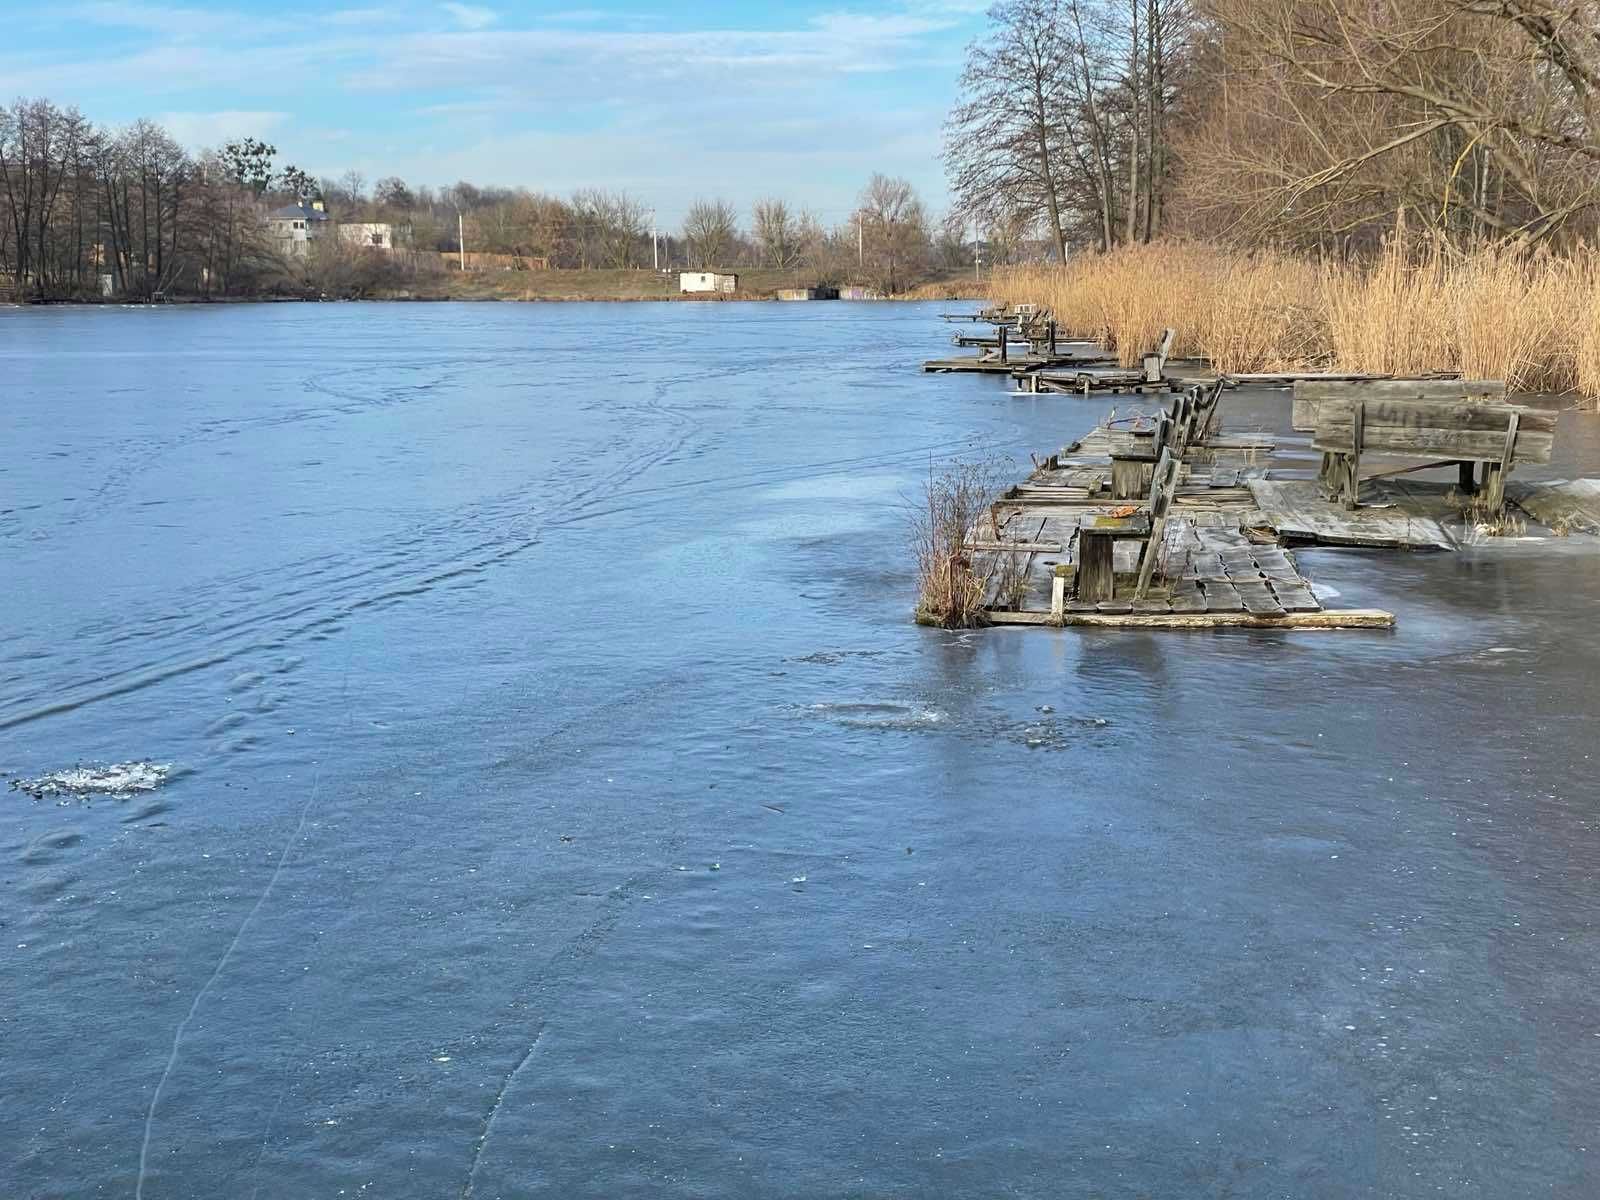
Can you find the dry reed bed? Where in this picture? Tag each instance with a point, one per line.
(1532, 320)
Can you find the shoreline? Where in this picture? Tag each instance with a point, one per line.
(564, 287)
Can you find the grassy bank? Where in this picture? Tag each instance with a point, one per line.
(754, 284)
(1533, 321)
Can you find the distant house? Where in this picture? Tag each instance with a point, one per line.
(376, 235)
(295, 226)
(707, 281)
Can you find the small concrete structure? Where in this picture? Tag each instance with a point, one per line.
(697, 282)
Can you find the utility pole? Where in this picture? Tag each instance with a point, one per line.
(461, 239)
(861, 242)
(977, 251)
(655, 251)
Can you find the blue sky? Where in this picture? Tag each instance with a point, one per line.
(668, 102)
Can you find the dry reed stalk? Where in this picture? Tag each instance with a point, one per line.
(1492, 313)
(957, 507)
(1586, 349)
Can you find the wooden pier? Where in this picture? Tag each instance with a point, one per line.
(1191, 551)
(1166, 519)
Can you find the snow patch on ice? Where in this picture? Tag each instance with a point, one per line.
(118, 780)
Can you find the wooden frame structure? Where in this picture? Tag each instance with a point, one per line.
(1460, 422)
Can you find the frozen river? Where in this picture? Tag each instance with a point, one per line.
(561, 802)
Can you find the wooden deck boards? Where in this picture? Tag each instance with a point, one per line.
(1395, 514)
(1567, 504)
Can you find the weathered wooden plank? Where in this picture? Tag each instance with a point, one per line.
(1569, 504)
(1188, 600)
(1482, 445)
(1328, 618)
(1096, 579)
(1221, 597)
(1310, 394)
(1293, 508)
(1296, 599)
(1435, 429)
(1387, 415)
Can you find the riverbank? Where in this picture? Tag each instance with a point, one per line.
(563, 285)
(1533, 321)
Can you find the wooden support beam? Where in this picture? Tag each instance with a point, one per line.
(1335, 618)
(1096, 577)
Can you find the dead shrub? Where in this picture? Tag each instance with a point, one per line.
(953, 577)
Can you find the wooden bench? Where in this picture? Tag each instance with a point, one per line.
(1135, 454)
(1463, 422)
(1098, 534)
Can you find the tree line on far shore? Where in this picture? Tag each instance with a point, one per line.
(80, 202)
(1309, 125)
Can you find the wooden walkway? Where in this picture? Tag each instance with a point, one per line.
(1219, 563)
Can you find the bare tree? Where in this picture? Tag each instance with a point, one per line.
(392, 192)
(710, 227)
(1478, 118)
(892, 227)
(1003, 143)
(781, 234)
(354, 186)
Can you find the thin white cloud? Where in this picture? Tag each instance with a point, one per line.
(178, 22)
(346, 17)
(554, 99)
(200, 130)
(471, 16)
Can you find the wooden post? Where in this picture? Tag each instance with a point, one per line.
(1002, 330)
(1464, 479)
(1494, 474)
(1058, 596)
(1352, 497)
(1130, 478)
(1166, 483)
(1096, 578)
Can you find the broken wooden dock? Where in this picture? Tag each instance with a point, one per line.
(1167, 519)
(1074, 545)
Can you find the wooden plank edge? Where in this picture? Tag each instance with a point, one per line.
(1345, 618)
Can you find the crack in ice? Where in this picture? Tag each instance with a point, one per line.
(194, 1007)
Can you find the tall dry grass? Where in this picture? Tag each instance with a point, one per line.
(957, 508)
(1530, 319)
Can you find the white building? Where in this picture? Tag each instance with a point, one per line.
(374, 235)
(707, 281)
(295, 226)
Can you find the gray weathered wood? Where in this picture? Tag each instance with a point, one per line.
(1309, 395)
(1430, 429)
(1334, 618)
(1096, 577)
(1130, 478)
(1163, 486)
